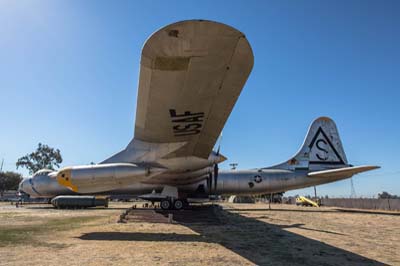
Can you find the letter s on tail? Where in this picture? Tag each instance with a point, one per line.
(322, 147)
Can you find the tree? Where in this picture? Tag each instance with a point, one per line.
(386, 195)
(43, 157)
(9, 181)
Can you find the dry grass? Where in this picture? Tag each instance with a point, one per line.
(251, 234)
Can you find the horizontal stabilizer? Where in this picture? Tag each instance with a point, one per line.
(342, 172)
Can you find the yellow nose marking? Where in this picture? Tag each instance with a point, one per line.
(64, 179)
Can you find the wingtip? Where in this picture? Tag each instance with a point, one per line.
(371, 167)
(376, 167)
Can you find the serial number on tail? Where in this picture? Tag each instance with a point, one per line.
(186, 123)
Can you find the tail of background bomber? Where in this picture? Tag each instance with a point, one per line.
(322, 148)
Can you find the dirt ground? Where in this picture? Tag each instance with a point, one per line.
(249, 234)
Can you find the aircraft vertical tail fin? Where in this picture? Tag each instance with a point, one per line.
(322, 148)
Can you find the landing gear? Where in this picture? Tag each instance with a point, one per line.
(169, 204)
(165, 204)
(178, 204)
(171, 199)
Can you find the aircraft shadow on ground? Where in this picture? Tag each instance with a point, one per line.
(259, 242)
(85, 209)
(301, 226)
(323, 211)
(133, 236)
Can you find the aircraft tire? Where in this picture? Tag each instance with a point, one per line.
(178, 204)
(165, 204)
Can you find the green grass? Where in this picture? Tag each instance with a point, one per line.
(33, 234)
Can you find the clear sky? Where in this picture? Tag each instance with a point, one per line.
(69, 74)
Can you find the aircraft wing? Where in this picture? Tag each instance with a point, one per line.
(342, 172)
(191, 74)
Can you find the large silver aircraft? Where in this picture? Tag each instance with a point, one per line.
(191, 74)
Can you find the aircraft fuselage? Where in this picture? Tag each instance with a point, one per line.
(244, 182)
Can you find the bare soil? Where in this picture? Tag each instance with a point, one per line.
(246, 234)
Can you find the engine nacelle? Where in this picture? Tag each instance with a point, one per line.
(104, 177)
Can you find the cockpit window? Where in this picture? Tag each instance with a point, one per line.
(43, 172)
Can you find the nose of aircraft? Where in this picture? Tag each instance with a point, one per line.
(24, 186)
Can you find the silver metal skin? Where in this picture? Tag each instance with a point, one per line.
(43, 184)
(104, 177)
(247, 182)
(254, 182)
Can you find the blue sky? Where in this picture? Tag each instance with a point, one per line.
(69, 74)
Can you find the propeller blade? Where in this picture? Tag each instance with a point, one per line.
(209, 182)
(216, 169)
